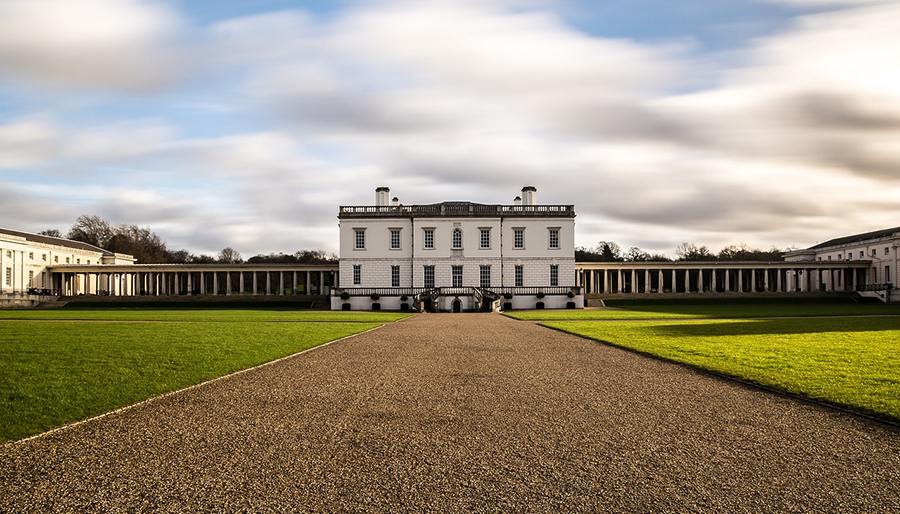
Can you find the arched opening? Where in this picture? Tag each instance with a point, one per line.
(457, 305)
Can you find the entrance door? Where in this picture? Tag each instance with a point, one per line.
(457, 305)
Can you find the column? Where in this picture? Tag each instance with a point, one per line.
(687, 280)
(740, 281)
(190, 283)
(853, 278)
(752, 280)
(727, 287)
(202, 283)
(700, 280)
(766, 280)
(674, 280)
(280, 282)
(605, 281)
(660, 279)
(241, 283)
(294, 284)
(321, 282)
(268, 283)
(647, 281)
(215, 282)
(308, 289)
(778, 282)
(255, 282)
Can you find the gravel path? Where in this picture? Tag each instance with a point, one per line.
(461, 413)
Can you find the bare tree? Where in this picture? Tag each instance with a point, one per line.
(229, 255)
(52, 232)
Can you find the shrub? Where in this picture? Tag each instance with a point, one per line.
(345, 295)
(540, 294)
(375, 296)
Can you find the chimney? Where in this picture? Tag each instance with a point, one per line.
(381, 196)
(517, 200)
(529, 195)
(395, 202)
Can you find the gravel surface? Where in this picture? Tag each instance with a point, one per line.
(461, 413)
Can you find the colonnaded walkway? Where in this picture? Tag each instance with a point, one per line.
(460, 413)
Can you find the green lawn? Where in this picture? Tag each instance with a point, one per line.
(853, 362)
(56, 372)
(666, 310)
(201, 315)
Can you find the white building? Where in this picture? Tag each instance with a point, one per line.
(878, 248)
(457, 255)
(26, 258)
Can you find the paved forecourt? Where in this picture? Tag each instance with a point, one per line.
(458, 413)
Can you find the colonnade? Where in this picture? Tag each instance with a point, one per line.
(660, 278)
(150, 280)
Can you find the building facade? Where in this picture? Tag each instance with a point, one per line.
(26, 261)
(452, 254)
(878, 249)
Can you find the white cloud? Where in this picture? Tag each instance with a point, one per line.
(27, 142)
(102, 44)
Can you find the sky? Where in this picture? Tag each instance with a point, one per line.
(247, 124)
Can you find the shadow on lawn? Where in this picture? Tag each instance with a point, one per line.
(778, 327)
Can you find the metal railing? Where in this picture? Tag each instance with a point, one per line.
(452, 209)
(875, 287)
(457, 291)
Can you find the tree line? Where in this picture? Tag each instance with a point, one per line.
(148, 248)
(608, 251)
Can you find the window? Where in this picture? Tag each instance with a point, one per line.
(554, 275)
(30, 279)
(429, 240)
(554, 239)
(360, 238)
(89, 261)
(520, 275)
(77, 261)
(518, 238)
(485, 239)
(429, 276)
(840, 256)
(395, 276)
(44, 256)
(357, 274)
(874, 252)
(456, 275)
(56, 258)
(829, 257)
(886, 251)
(887, 273)
(9, 253)
(9, 276)
(485, 276)
(67, 260)
(395, 239)
(457, 239)
(31, 255)
(861, 254)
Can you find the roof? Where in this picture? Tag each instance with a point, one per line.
(857, 238)
(58, 241)
(457, 209)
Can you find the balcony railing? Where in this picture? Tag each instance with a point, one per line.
(456, 210)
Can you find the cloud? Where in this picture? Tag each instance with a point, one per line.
(27, 142)
(129, 45)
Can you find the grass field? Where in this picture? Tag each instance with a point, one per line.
(56, 369)
(729, 310)
(849, 361)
